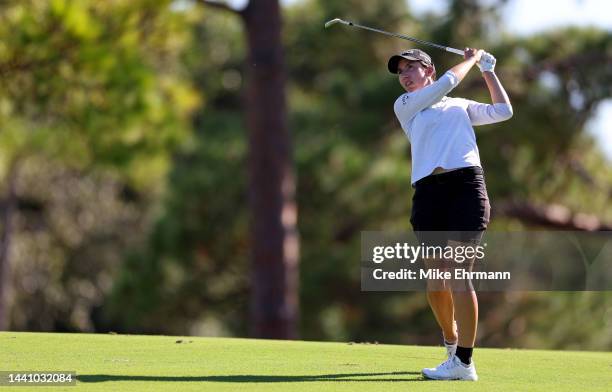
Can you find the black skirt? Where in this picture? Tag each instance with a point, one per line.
(455, 203)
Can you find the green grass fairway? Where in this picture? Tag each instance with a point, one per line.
(169, 363)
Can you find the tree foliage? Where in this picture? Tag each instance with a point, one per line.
(93, 103)
(93, 83)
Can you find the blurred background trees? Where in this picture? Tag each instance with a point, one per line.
(125, 160)
(93, 102)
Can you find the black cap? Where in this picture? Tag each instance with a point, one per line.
(411, 54)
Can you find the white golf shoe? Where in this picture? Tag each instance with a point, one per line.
(451, 349)
(452, 369)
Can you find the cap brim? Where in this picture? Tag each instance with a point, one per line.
(394, 62)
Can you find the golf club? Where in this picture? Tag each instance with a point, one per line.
(420, 41)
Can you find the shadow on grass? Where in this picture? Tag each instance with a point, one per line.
(352, 377)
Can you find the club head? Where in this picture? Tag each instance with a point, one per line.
(334, 21)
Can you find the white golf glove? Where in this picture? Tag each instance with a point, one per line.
(487, 62)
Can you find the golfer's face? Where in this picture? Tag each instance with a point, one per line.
(412, 75)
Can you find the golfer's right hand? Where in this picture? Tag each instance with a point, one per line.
(468, 53)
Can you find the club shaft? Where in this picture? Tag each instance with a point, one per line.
(420, 41)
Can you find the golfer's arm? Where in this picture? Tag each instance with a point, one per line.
(462, 69)
(409, 104)
(499, 110)
(498, 94)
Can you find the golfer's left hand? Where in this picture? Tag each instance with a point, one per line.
(487, 62)
(468, 53)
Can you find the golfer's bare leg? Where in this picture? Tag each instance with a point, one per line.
(466, 309)
(441, 302)
(466, 313)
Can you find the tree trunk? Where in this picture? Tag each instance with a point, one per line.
(7, 229)
(275, 243)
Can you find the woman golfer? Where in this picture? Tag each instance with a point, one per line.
(450, 193)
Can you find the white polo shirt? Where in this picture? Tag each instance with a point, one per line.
(440, 128)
